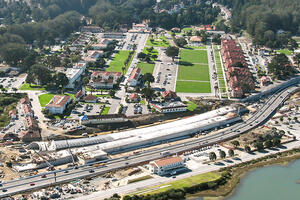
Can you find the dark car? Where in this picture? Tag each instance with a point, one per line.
(91, 171)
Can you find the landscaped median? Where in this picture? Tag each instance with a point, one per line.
(118, 61)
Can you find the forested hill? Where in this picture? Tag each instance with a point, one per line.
(263, 18)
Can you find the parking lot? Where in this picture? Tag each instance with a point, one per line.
(136, 108)
(165, 72)
(86, 109)
(14, 82)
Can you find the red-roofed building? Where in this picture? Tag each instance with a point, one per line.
(78, 95)
(134, 97)
(166, 165)
(134, 77)
(169, 95)
(104, 80)
(240, 78)
(58, 104)
(13, 114)
(27, 110)
(90, 99)
(265, 80)
(24, 101)
(30, 135)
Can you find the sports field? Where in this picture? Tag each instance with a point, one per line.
(198, 72)
(193, 56)
(193, 72)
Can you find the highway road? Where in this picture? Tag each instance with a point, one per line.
(36, 182)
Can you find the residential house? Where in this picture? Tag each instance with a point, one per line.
(134, 77)
(265, 80)
(13, 114)
(196, 40)
(79, 94)
(104, 80)
(58, 104)
(166, 166)
(102, 44)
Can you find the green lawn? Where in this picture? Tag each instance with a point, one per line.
(195, 72)
(118, 61)
(161, 42)
(146, 67)
(45, 98)
(105, 110)
(28, 86)
(193, 56)
(195, 47)
(191, 106)
(193, 87)
(180, 184)
(187, 29)
(285, 51)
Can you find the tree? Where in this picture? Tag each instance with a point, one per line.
(85, 80)
(112, 93)
(141, 56)
(230, 152)
(148, 78)
(280, 66)
(181, 42)
(52, 61)
(297, 59)
(212, 156)
(15, 89)
(259, 146)
(222, 154)
(41, 73)
(61, 79)
(148, 92)
(247, 149)
(29, 78)
(13, 53)
(268, 144)
(235, 143)
(172, 52)
(276, 142)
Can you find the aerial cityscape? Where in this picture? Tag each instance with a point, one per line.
(149, 99)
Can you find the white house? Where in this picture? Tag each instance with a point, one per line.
(134, 77)
(93, 55)
(166, 165)
(58, 104)
(168, 107)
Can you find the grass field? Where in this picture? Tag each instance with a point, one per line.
(180, 184)
(146, 67)
(285, 51)
(28, 86)
(193, 87)
(118, 61)
(161, 42)
(195, 47)
(221, 78)
(105, 110)
(193, 56)
(195, 72)
(45, 98)
(191, 106)
(153, 52)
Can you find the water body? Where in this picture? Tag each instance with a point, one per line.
(270, 183)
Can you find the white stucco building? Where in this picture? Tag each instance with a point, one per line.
(166, 165)
(58, 104)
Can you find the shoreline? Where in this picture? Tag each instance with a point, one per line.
(224, 192)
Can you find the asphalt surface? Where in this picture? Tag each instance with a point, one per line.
(36, 182)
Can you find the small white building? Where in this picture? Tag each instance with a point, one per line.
(134, 77)
(166, 165)
(58, 104)
(168, 107)
(102, 119)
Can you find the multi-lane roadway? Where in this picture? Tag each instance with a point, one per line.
(40, 180)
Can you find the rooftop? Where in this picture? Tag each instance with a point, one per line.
(167, 161)
(58, 101)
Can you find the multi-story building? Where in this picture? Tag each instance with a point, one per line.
(91, 29)
(58, 104)
(104, 80)
(134, 77)
(93, 55)
(236, 67)
(168, 107)
(166, 165)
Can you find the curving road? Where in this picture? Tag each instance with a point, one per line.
(36, 182)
